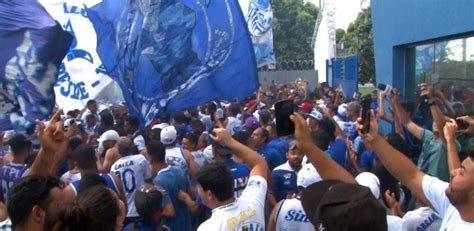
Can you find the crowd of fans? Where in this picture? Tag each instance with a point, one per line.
(221, 166)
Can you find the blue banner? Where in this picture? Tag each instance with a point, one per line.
(175, 54)
(259, 17)
(32, 46)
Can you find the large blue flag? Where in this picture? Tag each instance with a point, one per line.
(175, 54)
(32, 46)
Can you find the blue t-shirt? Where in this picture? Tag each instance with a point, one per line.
(240, 174)
(284, 181)
(337, 150)
(109, 180)
(173, 179)
(9, 174)
(366, 160)
(271, 156)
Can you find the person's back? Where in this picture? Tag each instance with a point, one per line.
(240, 174)
(132, 170)
(9, 174)
(175, 156)
(291, 216)
(107, 177)
(173, 179)
(15, 170)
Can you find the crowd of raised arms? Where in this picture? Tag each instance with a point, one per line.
(221, 166)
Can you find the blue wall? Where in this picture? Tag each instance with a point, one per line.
(397, 23)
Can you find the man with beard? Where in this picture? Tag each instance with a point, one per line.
(453, 201)
(284, 176)
(34, 203)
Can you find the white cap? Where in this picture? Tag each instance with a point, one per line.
(109, 135)
(343, 109)
(316, 115)
(370, 181)
(208, 152)
(307, 176)
(168, 135)
(160, 126)
(219, 114)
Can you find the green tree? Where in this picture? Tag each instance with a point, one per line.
(293, 24)
(359, 39)
(340, 33)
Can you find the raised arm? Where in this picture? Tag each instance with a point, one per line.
(438, 116)
(257, 164)
(53, 143)
(450, 130)
(382, 112)
(396, 163)
(413, 128)
(327, 168)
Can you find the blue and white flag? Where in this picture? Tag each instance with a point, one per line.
(32, 46)
(81, 74)
(259, 17)
(175, 54)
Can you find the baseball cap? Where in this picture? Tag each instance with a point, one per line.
(221, 149)
(292, 145)
(148, 200)
(250, 104)
(219, 114)
(168, 135)
(307, 176)
(370, 181)
(109, 135)
(264, 115)
(316, 115)
(251, 122)
(306, 106)
(342, 110)
(327, 201)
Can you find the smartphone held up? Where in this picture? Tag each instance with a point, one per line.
(283, 111)
(365, 113)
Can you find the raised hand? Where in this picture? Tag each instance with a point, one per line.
(374, 128)
(450, 129)
(426, 90)
(221, 136)
(302, 132)
(52, 136)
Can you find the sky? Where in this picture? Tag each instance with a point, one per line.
(346, 10)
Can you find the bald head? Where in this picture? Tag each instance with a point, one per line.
(125, 146)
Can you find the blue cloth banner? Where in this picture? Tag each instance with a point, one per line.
(32, 46)
(175, 54)
(259, 17)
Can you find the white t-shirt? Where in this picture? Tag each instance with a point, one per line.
(245, 213)
(291, 216)
(70, 176)
(423, 218)
(435, 191)
(394, 223)
(201, 159)
(233, 125)
(132, 170)
(175, 156)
